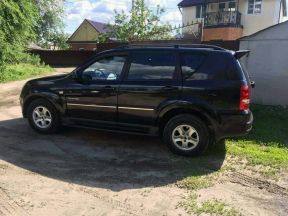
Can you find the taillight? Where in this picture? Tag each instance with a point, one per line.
(245, 97)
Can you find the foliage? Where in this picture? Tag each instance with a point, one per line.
(22, 71)
(212, 207)
(49, 28)
(17, 21)
(58, 40)
(263, 151)
(141, 24)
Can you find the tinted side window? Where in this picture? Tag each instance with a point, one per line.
(152, 66)
(190, 64)
(108, 68)
(213, 66)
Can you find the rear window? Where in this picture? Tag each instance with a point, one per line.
(244, 69)
(208, 66)
(190, 64)
(152, 66)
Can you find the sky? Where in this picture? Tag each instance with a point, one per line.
(103, 11)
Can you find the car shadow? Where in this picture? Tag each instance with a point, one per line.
(101, 159)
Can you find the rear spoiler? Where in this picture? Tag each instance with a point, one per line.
(239, 54)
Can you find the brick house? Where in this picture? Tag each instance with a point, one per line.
(231, 19)
(85, 36)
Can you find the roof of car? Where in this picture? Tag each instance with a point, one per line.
(170, 46)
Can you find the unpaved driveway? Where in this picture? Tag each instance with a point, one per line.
(85, 172)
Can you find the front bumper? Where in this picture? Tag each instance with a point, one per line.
(234, 125)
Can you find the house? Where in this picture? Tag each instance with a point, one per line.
(231, 19)
(267, 64)
(85, 36)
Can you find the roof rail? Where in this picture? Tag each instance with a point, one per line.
(197, 46)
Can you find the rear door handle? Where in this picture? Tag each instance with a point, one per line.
(110, 88)
(212, 95)
(170, 88)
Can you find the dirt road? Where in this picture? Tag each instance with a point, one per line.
(85, 172)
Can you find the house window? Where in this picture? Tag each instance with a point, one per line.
(222, 6)
(200, 11)
(284, 7)
(232, 6)
(254, 6)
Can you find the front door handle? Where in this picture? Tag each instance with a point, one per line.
(105, 88)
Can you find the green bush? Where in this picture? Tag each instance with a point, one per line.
(22, 71)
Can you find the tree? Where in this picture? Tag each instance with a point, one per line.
(17, 21)
(50, 22)
(141, 24)
(59, 40)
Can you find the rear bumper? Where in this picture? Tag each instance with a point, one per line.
(234, 125)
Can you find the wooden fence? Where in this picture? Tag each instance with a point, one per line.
(74, 57)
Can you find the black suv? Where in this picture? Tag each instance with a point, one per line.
(188, 95)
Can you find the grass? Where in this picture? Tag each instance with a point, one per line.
(267, 144)
(22, 71)
(211, 207)
(264, 151)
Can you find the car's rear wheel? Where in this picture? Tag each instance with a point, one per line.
(43, 117)
(186, 135)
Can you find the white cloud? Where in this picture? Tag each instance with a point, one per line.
(103, 11)
(173, 17)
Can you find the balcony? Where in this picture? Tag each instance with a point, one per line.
(222, 19)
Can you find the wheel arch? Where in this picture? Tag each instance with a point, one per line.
(208, 117)
(53, 99)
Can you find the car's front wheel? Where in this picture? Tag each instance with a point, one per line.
(43, 117)
(186, 135)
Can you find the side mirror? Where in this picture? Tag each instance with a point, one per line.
(76, 75)
(86, 78)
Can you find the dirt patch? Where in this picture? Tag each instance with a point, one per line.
(85, 172)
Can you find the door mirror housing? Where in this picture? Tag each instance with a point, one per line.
(76, 75)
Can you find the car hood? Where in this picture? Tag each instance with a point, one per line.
(48, 80)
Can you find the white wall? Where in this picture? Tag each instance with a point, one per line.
(251, 22)
(188, 16)
(267, 64)
(256, 22)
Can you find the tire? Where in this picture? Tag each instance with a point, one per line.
(186, 135)
(46, 114)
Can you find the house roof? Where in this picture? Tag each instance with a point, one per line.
(100, 27)
(187, 3)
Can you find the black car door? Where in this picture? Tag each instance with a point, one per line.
(94, 95)
(151, 80)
